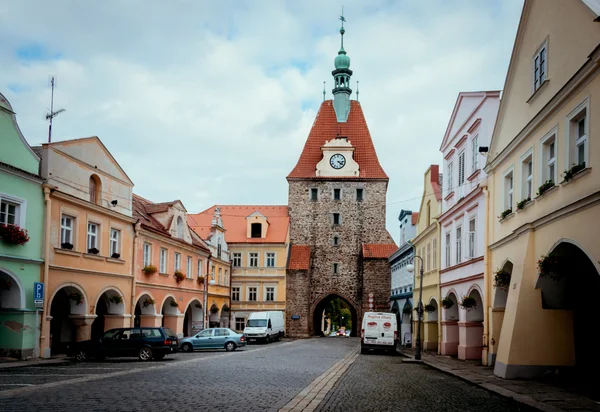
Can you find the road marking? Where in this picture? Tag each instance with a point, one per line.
(16, 384)
(18, 391)
(43, 374)
(310, 397)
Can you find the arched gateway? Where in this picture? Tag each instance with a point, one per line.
(334, 310)
(337, 196)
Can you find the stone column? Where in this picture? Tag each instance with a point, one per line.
(175, 323)
(83, 324)
(430, 342)
(116, 321)
(151, 321)
(450, 337)
(470, 340)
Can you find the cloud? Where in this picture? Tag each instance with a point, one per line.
(211, 102)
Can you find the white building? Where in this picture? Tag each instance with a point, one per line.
(462, 222)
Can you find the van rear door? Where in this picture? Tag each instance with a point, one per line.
(379, 329)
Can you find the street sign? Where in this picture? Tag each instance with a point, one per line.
(371, 295)
(38, 303)
(295, 317)
(38, 291)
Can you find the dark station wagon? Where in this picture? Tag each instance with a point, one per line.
(145, 343)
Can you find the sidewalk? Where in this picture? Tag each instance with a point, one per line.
(543, 396)
(15, 363)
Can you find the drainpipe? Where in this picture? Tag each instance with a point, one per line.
(486, 281)
(45, 333)
(206, 324)
(136, 228)
(437, 265)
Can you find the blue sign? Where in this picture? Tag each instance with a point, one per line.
(295, 317)
(38, 291)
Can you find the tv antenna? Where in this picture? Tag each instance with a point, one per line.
(52, 114)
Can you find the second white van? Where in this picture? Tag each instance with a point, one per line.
(379, 331)
(266, 326)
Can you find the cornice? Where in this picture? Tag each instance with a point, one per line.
(462, 264)
(186, 246)
(89, 205)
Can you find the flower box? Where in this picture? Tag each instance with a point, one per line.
(407, 310)
(149, 270)
(93, 251)
(13, 234)
(214, 309)
(549, 184)
(174, 304)
(179, 276)
(447, 303)
(468, 303)
(504, 214)
(522, 203)
(199, 306)
(200, 280)
(115, 255)
(66, 245)
(573, 171)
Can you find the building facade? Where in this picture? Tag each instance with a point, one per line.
(402, 280)
(258, 242)
(21, 238)
(426, 246)
(544, 184)
(89, 237)
(171, 263)
(463, 221)
(337, 201)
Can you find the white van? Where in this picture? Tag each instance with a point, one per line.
(379, 331)
(266, 326)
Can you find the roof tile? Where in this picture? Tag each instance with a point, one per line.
(299, 257)
(378, 250)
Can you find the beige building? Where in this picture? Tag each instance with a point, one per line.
(542, 271)
(426, 246)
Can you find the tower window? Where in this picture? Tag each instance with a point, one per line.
(336, 268)
(337, 194)
(336, 241)
(314, 194)
(359, 195)
(336, 218)
(256, 230)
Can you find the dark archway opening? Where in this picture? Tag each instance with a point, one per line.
(187, 322)
(332, 313)
(98, 325)
(137, 321)
(62, 329)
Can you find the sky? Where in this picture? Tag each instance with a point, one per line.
(211, 102)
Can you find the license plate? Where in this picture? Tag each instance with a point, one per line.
(371, 339)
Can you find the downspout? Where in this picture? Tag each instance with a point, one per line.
(206, 314)
(437, 265)
(486, 281)
(136, 228)
(46, 272)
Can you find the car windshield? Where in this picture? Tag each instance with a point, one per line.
(110, 334)
(257, 323)
(169, 332)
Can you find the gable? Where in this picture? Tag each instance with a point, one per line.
(91, 151)
(15, 149)
(465, 105)
(569, 30)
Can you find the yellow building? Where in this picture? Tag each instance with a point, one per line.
(258, 240)
(543, 318)
(426, 245)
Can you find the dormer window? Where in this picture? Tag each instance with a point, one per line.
(256, 230)
(179, 227)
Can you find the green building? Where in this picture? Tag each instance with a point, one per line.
(21, 209)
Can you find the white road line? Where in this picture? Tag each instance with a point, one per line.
(16, 384)
(74, 368)
(44, 374)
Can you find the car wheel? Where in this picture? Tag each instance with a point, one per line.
(81, 355)
(187, 347)
(230, 346)
(268, 339)
(363, 351)
(159, 357)
(145, 354)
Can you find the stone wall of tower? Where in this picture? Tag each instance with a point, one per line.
(312, 224)
(297, 303)
(376, 280)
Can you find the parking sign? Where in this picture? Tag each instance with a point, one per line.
(38, 291)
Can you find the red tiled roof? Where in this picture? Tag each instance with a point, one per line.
(326, 128)
(378, 250)
(234, 221)
(435, 182)
(299, 257)
(415, 218)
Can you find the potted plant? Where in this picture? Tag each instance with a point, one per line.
(505, 213)
(149, 270)
(547, 185)
(116, 299)
(522, 203)
(226, 308)
(179, 276)
(214, 309)
(66, 245)
(13, 234)
(468, 303)
(5, 284)
(552, 266)
(76, 297)
(200, 279)
(147, 302)
(199, 306)
(502, 279)
(429, 308)
(174, 304)
(407, 310)
(93, 251)
(447, 303)
(115, 255)
(573, 171)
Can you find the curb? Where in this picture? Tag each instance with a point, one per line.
(490, 387)
(36, 362)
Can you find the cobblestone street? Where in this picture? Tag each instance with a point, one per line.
(259, 378)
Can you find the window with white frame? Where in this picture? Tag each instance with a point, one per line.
(459, 244)
(449, 173)
(147, 254)
(199, 267)
(269, 293)
(428, 265)
(235, 294)
(226, 280)
(472, 238)
(12, 210)
(549, 159)
(92, 235)
(252, 293)
(527, 177)
(461, 168)
(212, 272)
(237, 259)
(253, 260)
(578, 130)
(540, 67)
(163, 260)
(475, 154)
(220, 279)
(115, 235)
(508, 190)
(189, 268)
(66, 229)
(434, 254)
(448, 249)
(270, 260)
(177, 265)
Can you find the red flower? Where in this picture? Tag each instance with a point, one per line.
(13, 234)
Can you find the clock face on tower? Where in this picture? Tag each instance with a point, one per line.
(337, 161)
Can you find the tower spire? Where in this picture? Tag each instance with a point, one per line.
(323, 91)
(341, 76)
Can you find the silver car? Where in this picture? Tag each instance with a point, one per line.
(213, 338)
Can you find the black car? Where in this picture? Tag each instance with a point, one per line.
(145, 343)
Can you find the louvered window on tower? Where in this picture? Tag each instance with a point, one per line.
(461, 168)
(336, 218)
(314, 194)
(359, 195)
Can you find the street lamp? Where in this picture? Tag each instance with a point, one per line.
(411, 268)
